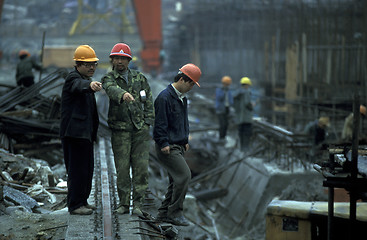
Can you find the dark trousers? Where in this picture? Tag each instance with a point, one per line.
(79, 163)
(244, 133)
(223, 123)
(179, 177)
(26, 81)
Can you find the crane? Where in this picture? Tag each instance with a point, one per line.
(148, 19)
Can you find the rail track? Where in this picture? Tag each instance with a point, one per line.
(104, 223)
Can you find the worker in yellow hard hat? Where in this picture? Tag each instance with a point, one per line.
(223, 103)
(78, 129)
(244, 111)
(348, 124)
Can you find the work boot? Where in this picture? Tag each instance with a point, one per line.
(122, 210)
(82, 211)
(91, 207)
(178, 221)
(161, 218)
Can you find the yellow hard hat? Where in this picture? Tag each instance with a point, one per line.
(85, 53)
(246, 80)
(324, 121)
(227, 80)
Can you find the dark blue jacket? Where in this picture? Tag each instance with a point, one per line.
(79, 117)
(171, 125)
(220, 97)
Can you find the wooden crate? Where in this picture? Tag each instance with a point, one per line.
(59, 56)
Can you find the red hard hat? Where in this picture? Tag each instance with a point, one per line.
(121, 49)
(192, 71)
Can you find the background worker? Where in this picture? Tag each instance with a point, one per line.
(130, 115)
(24, 72)
(223, 102)
(317, 133)
(347, 133)
(171, 134)
(78, 129)
(244, 109)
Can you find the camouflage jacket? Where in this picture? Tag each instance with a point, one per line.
(123, 115)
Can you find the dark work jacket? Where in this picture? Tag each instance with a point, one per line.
(79, 117)
(24, 68)
(171, 125)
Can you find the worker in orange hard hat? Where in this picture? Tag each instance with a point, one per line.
(78, 128)
(316, 131)
(171, 136)
(348, 124)
(130, 116)
(223, 104)
(24, 72)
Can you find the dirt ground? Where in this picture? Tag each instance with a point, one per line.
(20, 224)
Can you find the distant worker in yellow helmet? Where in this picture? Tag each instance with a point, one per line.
(347, 133)
(24, 73)
(244, 111)
(223, 103)
(78, 129)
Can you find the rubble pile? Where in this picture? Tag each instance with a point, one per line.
(29, 184)
(29, 118)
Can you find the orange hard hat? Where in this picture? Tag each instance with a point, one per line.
(121, 49)
(362, 110)
(192, 71)
(24, 52)
(84, 53)
(227, 80)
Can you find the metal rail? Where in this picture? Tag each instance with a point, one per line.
(106, 202)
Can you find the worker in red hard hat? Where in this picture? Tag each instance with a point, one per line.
(24, 73)
(130, 116)
(171, 136)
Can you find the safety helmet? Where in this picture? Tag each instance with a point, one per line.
(227, 80)
(85, 53)
(24, 52)
(121, 49)
(246, 80)
(324, 121)
(192, 71)
(362, 110)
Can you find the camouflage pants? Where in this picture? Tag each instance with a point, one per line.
(131, 149)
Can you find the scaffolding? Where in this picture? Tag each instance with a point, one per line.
(311, 53)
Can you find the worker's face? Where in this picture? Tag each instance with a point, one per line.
(225, 84)
(186, 86)
(120, 63)
(87, 68)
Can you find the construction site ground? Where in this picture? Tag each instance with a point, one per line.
(251, 185)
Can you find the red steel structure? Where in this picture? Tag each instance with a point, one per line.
(148, 18)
